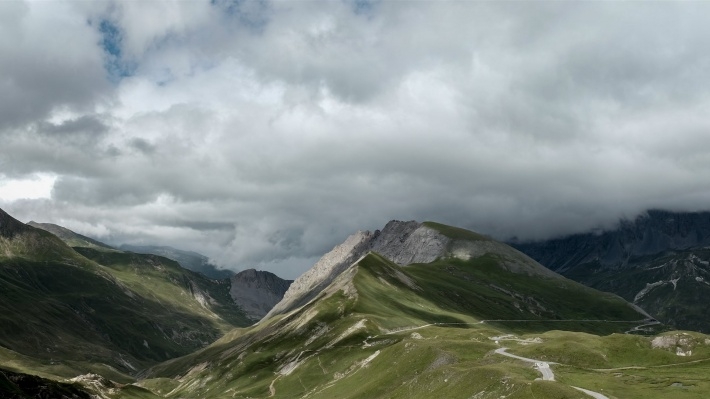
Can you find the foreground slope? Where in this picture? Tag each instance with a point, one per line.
(65, 311)
(375, 328)
(660, 261)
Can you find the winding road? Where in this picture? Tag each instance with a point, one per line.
(547, 374)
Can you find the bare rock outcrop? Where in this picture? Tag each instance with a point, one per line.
(403, 243)
(256, 291)
(311, 283)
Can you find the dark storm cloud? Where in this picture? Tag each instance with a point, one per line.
(264, 133)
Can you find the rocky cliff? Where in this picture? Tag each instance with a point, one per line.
(256, 292)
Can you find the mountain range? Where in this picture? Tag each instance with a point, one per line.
(188, 259)
(67, 310)
(415, 310)
(659, 261)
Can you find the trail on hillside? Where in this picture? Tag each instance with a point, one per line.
(542, 366)
(547, 373)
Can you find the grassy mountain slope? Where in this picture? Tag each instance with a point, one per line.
(371, 334)
(660, 261)
(187, 259)
(100, 311)
(71, 238)
(674, 287)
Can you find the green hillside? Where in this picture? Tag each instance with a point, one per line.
(65, 312)
(381, 330)
(450, 328)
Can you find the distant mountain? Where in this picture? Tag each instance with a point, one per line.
(71, 238)
(415, 310)
(187, 259)
(74, 310)
(257, 291)
(660, 261)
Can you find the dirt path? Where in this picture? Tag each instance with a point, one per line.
(595, 395)
(541, 366)
(546, 371)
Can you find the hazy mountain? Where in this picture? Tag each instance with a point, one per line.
(659, 261)
(69, 310)
(257, 291)
(358, 324)
(71, 238)
(187, 259)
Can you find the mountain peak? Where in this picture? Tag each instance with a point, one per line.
(403, 243)
(9, 226)
(257, 291)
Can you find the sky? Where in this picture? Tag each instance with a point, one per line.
(263, 133)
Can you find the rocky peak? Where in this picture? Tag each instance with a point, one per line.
(401, 242)
(256, 291)
(312, 282)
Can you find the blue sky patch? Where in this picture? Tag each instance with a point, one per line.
(252, 14)
(116, 65)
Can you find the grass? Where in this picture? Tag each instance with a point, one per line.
(456, 360)
(69, 314)
(419, 331)
(456, 233)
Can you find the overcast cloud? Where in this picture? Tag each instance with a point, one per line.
(263, 133)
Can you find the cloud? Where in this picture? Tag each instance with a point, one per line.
(263, 133)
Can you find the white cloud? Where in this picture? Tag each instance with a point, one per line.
(35, 187)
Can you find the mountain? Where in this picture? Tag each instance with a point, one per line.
(24, 386)
(71, 238)
(417, 310)
(67, 311)
(257, 291)
(187, 259)
(659, 261)
(254, 292)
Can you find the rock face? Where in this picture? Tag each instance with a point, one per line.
(660, 262)
(256, 292)
(312, 282)
(650, 234)
(403, 243)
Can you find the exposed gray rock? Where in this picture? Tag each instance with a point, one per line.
(256, 292)
(312, 282)
(403, 243)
